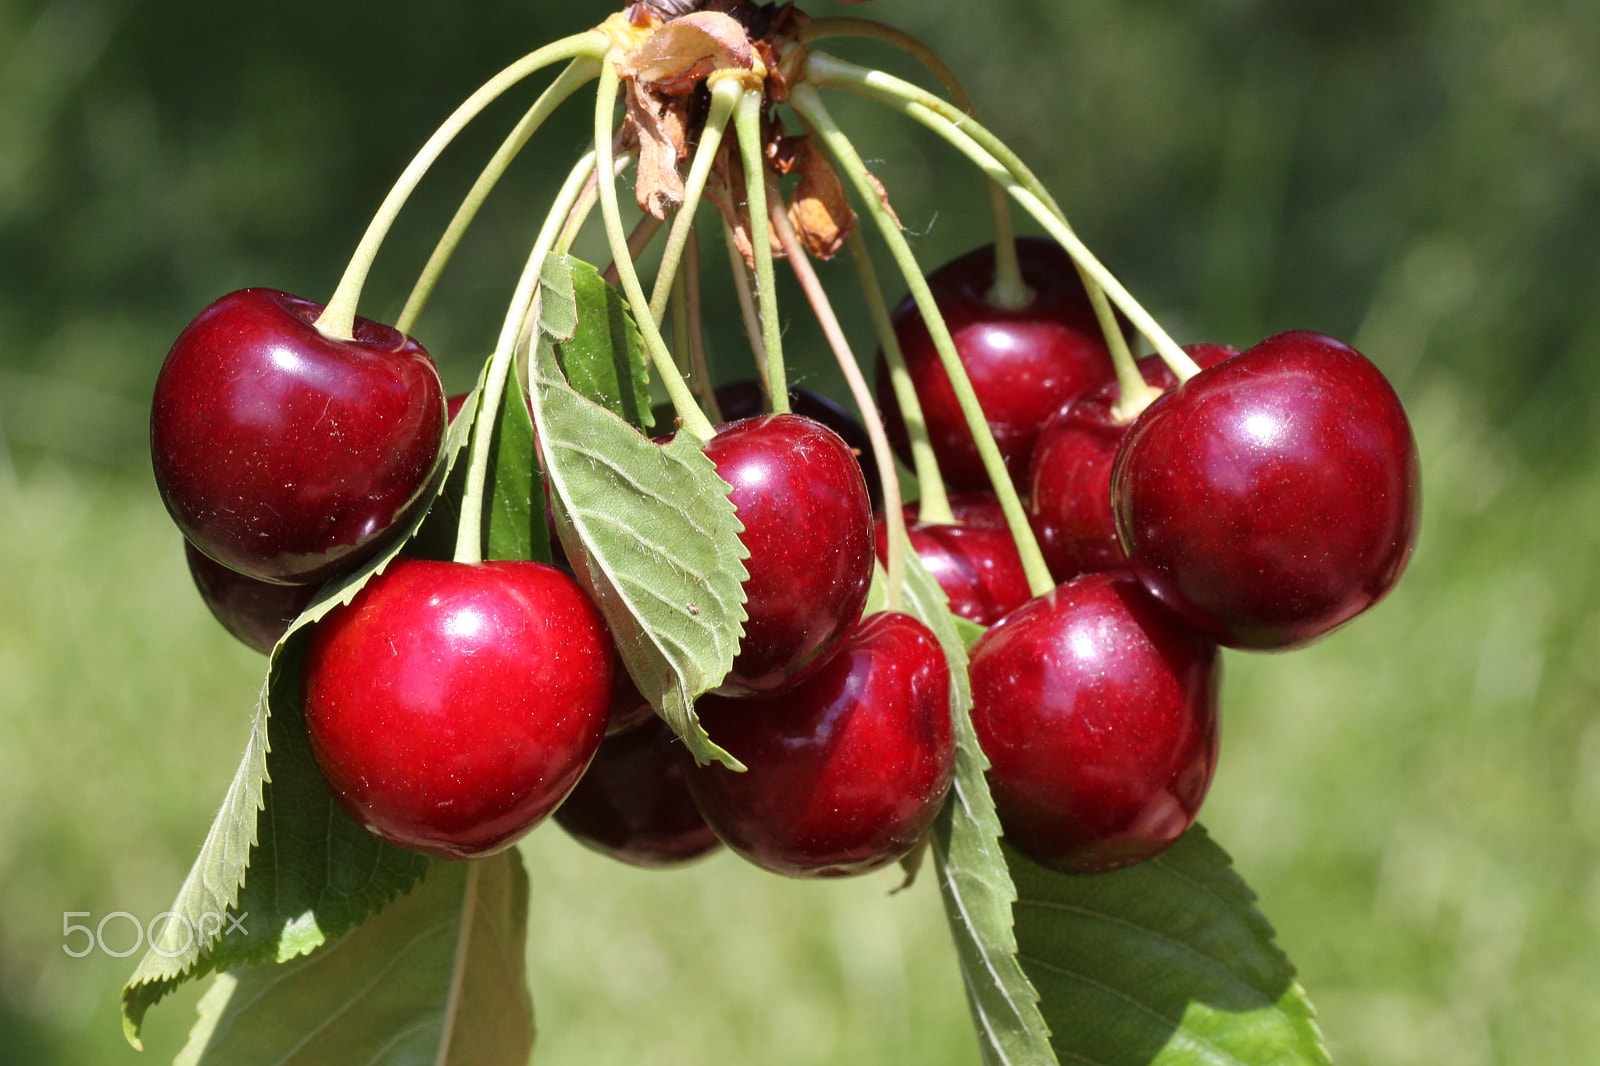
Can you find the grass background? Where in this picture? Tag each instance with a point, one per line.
(1416, 799)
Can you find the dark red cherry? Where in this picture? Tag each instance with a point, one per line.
(632, 804)
(808, 527)
(452, 706)
(256, 612)
(746, 399)
(1024, 364)
(1098, 712)
(977, 566)
(285, 454)
(1069, 499)
(844, 773)
(1272, 497)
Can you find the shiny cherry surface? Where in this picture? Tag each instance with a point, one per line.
(285, 454)
(258, 613)
(847, 771)
(1069, 482)
(808, 528)
(1098, 712)
(1273, 497)
(977, 566)
(747, 399)
(1025, 364)
(452, 706)
(632, 804)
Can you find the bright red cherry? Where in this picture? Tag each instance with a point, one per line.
(844, 773)
(632, 804)
(1069, 499)
(974, 561)
(452, 706)
(1098, 712)
(1272, 497)
(256, 612)
(285, 454)
(1025, 364)
(808, 527)
(747, 399)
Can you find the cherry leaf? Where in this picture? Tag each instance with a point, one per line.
(1167, 963)
(514, 526)
(437, 976)
(652, 535)
(603, 356)
(973, 876)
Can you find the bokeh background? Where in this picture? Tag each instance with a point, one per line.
(1416, 799)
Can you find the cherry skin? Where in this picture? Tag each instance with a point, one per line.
(452, 706)
(844, 773)
(1272, 497)
(974, 559)
(1098, 712)
(746, 399)
(256, 612)
(1069, 498)
(808, 528)
(285, 454)
(632, 804)
(1024, 364)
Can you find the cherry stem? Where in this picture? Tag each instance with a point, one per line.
(338, 318)
(699, 369)
(894, 516)
(747, 124)
(1134, 394)
(585, 204)
(747, 301)
(997, 161)
(644, 231)
(578, 72)
(725, 95)
(1010, 290)
(808, 104)
(689, 413)
(934, 505)
(469, 533)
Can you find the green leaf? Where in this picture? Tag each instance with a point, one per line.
(973, 876)
(1167, 963)
(603, 357)
(651, 533)
(437, 977)
(515, 526)
(282, 868)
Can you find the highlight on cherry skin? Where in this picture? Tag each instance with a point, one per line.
(1272, 497)
(452, 706)
(286, 454)
(845, 772)
(1025, 363)
(1098, 712)
(800, 494)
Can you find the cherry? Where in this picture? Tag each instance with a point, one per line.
(1272, 497)
(1024, 364)
(808, 528)
(285, 454)
(844, 773)
(256, 612)
(632, 804)
(1069, 499)
(452, 706)
(746, 399)
(1098, 712)
(974, 560)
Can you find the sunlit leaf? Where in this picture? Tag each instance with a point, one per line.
(603, 357)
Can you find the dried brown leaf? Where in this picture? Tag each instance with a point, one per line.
(819, 212)
(678, 56)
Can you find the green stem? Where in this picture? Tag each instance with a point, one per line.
(584, 205)
(747, 303)
(934, 505)
(469, 533)
(338, 318)
(700, 370)
(810, 107)
(894, 516)
(1133, 393)
(578, 72)
(747, 124)
(998, 162)
(689, 412)
(724, 96)
(644, 231)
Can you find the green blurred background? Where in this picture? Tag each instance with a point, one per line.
(1416, 799)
